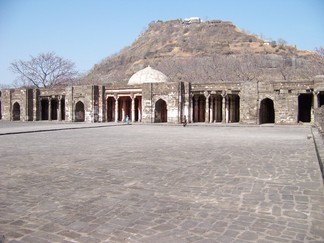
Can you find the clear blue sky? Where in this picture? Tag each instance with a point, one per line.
(86, 31)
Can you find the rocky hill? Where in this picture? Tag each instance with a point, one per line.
(211, 51)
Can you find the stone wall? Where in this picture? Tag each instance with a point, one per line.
(319, 119)
(21, 100)
(249, 103)
(168, 92)
(88, 96)
(287, 98)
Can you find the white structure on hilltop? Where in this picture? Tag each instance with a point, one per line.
(192, 20)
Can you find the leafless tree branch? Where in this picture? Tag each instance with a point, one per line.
(44, 70)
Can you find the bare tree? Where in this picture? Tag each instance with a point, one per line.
(320, 51)
(44, 70)
(314, 65)
(285, 68)
(281, 42)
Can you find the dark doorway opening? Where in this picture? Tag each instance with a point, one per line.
(304, 107)
(79, 112)
(233, 104)
(44, 115)
(267, 113)
(54, 109)
(321, 99)
(63, 109)
(16, 112)
(161, 112)
(111, 109)
(124, 108)
(138, 101)
(199, 108)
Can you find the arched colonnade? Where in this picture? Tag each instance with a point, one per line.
(52, 108)
(215, 108)
(120, 106)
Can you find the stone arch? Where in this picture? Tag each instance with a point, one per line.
(79, 112)
(267, 112)
(16, 112)
(161, 111)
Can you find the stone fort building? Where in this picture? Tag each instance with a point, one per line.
(150, 97)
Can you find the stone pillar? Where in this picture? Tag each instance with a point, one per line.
(40, 109)
(139, 108)
(35, 104)
(315, 100)
(227, 107)
(206, 106)
(49, 109)
(191, 109)
(59, 108)
(116, 108)
(211, 109)
(224, 108)
(133, 107)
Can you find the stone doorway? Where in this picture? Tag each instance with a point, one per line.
(304, 107)
(233, 108)
(44, 110)
(124, 108)
(161, 112)
(267, 113)
(63, 109)
(216, 108)
(16, 112)
(79, 112)
(321, 98)
(138, 108)
(199, 108)
(54, 109)
(111, 109)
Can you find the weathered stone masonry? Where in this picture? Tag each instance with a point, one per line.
(150, 97)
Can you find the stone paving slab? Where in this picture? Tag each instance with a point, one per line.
(10, 128)
(161, 184)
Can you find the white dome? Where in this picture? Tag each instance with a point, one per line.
(148, 75)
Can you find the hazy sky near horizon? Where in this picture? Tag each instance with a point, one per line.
(87, 31)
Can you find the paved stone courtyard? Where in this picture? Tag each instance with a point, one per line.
(147, 183)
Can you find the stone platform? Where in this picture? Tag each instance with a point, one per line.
(159, 184)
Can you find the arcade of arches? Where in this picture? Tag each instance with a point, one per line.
(52, 108)
(118, 107)
(216, 108)
(161, 100)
